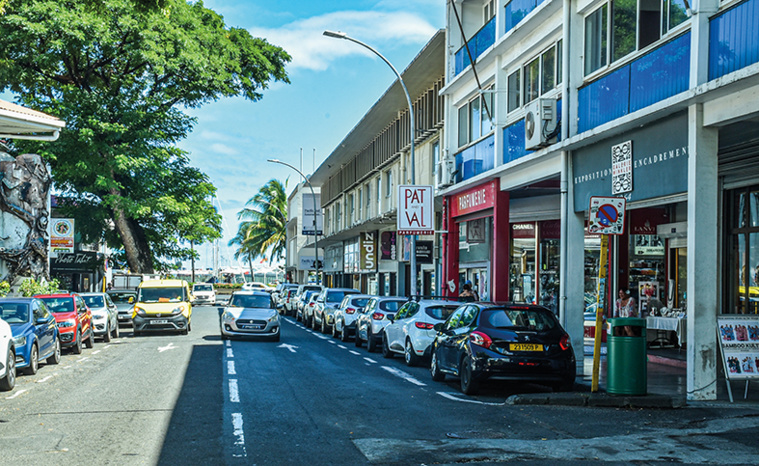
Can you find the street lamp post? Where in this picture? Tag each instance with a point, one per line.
(313, 196)
(412, 254)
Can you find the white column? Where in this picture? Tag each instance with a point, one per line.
(703, 257)
(573, 281)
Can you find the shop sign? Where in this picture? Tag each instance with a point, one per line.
(550, 229)
(415, 210)
(424, 251)
(80, 261)
(369, 251)
(307, 217)
(621, 167)
(659, 163)
(474, 200)
(739, 341)
(61, 236)
(523, 230)
(309, 263)
(388, 248)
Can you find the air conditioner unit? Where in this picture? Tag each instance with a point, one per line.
(445, 168)
(539, 123)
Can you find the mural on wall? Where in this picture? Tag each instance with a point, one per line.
(24, 210)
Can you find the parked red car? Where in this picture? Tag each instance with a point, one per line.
(73, 318)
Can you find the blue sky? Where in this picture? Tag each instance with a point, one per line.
(333, 83)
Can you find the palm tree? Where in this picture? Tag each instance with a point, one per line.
(263, 228)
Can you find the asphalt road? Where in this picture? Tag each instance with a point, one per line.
(310, 399)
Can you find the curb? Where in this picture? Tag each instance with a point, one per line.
(600, 400)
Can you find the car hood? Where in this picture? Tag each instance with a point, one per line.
(124, 307)
(250, 312)
(98, 309)
(21, 329)
(62, 316)
(161, 308)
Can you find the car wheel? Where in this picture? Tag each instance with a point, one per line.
(386, 353)
(324, 327)
(371, 343)
(78, 343)
(107, 334)
(136, 333)
(116, 331)
(469, 384)
(344, 335)
(435, 372)
(313, 322)
(55, 358)
(34, 362)
(409, 355)
(9, 381)
(334, 331)
(91, 340)
(189, 325)
(358, 341)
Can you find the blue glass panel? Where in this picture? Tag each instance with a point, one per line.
(485, 153)
(475, 159)
(661, 73)
(481, 41)
(558, 116)
(462, 61)
(604, 100)
(513, 142)
(459, 167)
(733, 40)
(517, 10)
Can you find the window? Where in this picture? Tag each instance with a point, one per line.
(531, 80)
(514, 91)
(476, 118)
(351, 209)
(488, 11)
(541, 75)
(743, 272)
(360, 203)
(463, 125)
(379, 206)
(548, 70)
(388, 183)
(487, 111)
(338, 216)
(368, 191)
(620, 27)
(435, 156)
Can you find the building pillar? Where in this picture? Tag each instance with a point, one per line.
(572, 305)
(703, 257)
(450, 251)
(499, 267)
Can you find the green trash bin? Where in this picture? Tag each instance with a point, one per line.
(626, 358)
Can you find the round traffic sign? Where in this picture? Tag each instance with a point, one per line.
(607, 215)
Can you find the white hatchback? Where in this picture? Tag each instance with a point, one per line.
(7, 358)
(410, 331)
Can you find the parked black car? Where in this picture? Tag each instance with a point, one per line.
(505, 341)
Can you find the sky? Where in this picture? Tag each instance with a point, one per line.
(333, 83)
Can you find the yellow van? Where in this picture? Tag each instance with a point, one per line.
(162, 305)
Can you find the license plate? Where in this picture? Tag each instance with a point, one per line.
(158, 322)
(252, 327)
(525, 347)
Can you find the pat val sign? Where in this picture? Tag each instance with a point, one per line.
(656, 162)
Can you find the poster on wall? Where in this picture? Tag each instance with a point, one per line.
(61, 236)
(388, 250)
(739, 342)
(646, 292)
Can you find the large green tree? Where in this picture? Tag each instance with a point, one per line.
(263, 226)
(121, 79)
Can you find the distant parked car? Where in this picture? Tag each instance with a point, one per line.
(124, 301)
(304, 301)
(346, 315)
(326, 304)
(280, 293)
(410, 331)
(300, 296)
(7, 357)
(300, 315)
(373, 319)
(256, 286)
(250, 314)
(74, 320)
(203, 294)
(105, 315)
(35, 335)
(507, 341)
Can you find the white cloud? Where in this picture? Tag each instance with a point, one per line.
(223, 149)
(304, 41)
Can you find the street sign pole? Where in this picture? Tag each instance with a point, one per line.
(603, 267)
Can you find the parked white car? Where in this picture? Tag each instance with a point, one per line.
(7, 357)
(204, 293)
(410, 331)
(373, 319)
(105, 315)
(250, 314)
(346, 315)
(327, 302)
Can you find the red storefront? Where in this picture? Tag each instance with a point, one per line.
(476, 247)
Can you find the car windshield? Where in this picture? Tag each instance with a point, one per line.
(538, 320)
(161, 295)
(14, 313)
(121, 298)
(336, 296)
(60, 304)
(242, 300)
(202, 288)
(391, 306)
(440, 312)
(94, 301)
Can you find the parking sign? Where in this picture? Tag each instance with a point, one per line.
(607, 215)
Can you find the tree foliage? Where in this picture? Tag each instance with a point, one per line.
(121, 79)
(263, 229)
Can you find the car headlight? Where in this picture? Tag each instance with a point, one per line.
(227, 317)
(66, 324)
(274, 318)
(19, 340)
(139, 311)
(177, 310)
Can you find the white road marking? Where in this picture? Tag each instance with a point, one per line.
(161, 349)
(65, 367)
(108, 346)
(354, 352)
(292, 348)
(47, 378)
(231, 368)
(230, 354)
(96, 352)
(323, 337)
(370, 360)
(332, 342)
(83, 359)
(239, 436)
(234, 394)
(342, 347)
(404, 375)
(466, 400)
(229, 343)
(15, 395)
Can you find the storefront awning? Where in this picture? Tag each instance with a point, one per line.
(17, 122)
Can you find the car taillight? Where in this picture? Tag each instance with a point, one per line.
(480, 339)
(378, 316)
(424, 326)
(564, 342)
(350, 310)
(311, 304)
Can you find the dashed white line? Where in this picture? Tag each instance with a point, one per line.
(47, 378)
(231, 368)
(83, 359)
(404, 375)
(354, 352)
(229, 343)
(96, 352)
(15, 395)
(370, 360)
(230, 354)
(342, 347)
(239, 436)
(331, 342)
(467, 400)
(234, 394)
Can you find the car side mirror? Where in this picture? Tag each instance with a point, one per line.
(439, 326)
(42, 321)
(391, 318)
(130, 301)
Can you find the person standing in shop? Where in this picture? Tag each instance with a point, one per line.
(625, 306)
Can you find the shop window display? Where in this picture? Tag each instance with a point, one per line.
(744, 253)
(647, 261)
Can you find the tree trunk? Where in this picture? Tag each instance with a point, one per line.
(250, 265)
(138, 255)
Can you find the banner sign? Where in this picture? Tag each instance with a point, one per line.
(739, 341)
(307, 219)
(308, 263)
(424, 252)
(368, 248)
(61, 236)
(415, 210)
(389, 248)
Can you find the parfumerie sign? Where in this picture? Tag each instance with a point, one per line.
(473, 200)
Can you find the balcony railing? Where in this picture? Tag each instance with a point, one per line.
(659, 74)
(475, 159)
(514, 140)
(733, 39)
(517, 10)
(481, 41)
